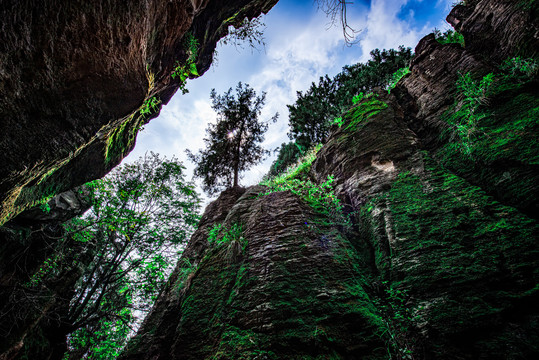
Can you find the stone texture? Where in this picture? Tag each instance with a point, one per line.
(493, 31)
(497, 29)
(73, 76)
(439, 259)
(425, 268)
(290, 292)
(439, 256)
(31, 316)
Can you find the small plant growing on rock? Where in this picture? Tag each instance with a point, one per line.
(183, 71)
(357, 98)
(231, 242)
(466, 118)
(149, 106)
(448, 37)
(518, 66)
(338, 121)
(398, 320)
(45, 207)
(297, 170)
(396, 77)
(217, 236)
(320, 197)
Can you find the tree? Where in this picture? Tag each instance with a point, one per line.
(232, 144)
(127, 244)
(311, 115)
(288, 154)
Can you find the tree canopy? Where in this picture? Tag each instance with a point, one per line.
(126, 245)
(311, 115)
(233, 142)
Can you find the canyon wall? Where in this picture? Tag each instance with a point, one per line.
(431, 252)
(78, 79)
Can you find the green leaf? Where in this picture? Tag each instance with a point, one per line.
(193, 69)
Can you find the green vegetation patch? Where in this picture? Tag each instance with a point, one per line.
(205, 307)
(319, 197)
(122, 138)
(449, 37)
(299, 170)
(396, 77)
(319, 311)
(242, 344)
(462, 238)
(232, 241)
(356, 116)
(184, 70)
(494, 132)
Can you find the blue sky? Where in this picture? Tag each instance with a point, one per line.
(300, 47)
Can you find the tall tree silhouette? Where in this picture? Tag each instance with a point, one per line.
(233, 143)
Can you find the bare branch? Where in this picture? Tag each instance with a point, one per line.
(335, 10)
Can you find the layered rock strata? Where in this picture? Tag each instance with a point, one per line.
(78, 79)
(434, 254)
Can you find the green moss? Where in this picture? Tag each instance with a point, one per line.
(316, 313)
(122, 138)
(231, 20)
(186, 269)
(500, 151)
(150, 106)
(313, 322)
(183, 70)
(527, 5)
(236, 343)
(461, 237)
(360, 113)
(444, 208)
(297, 171)
(396, 77)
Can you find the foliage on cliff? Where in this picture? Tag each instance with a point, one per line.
(313, 112)
(435, 261)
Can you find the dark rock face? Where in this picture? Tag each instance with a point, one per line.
(74, 76)
(242, 303)
(498, 29)
(493, 31)
(31, 316)
(440, 257)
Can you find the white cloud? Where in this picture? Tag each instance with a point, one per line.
(384, 30)
(299, 50)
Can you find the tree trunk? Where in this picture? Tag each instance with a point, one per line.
(236, 174)
(237, 155)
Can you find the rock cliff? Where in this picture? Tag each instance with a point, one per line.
(30, 314)
(431, 251)
(78, 79)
